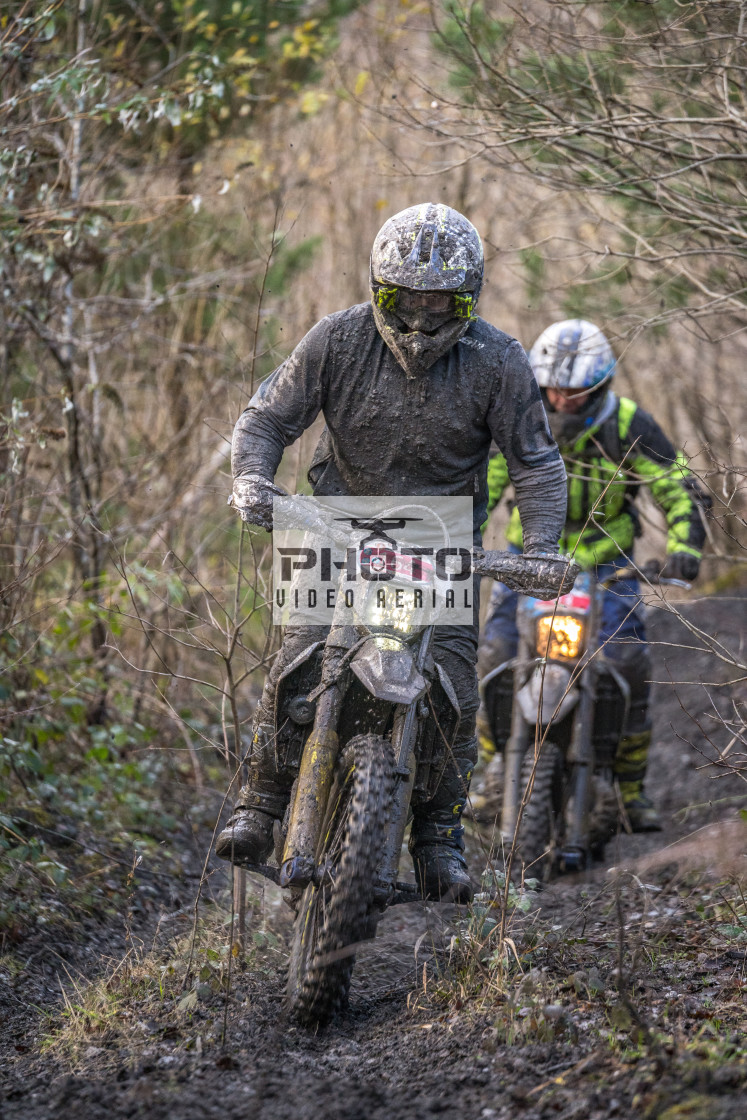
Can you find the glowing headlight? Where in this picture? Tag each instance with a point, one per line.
(559, 637)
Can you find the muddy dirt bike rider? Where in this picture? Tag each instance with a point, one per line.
(598, 432)
(413, 386)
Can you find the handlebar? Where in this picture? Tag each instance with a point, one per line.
(649, 573)
(543, 577)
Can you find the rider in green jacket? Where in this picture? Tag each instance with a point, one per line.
(611, 448)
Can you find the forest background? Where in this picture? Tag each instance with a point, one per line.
(187, 186)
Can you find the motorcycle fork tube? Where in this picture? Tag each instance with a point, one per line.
(582, 744)
(314, 783)
(516, 748)
(404, 741)
(403, 737)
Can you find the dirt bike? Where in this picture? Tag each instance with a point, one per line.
(373, 733)
(569, 707)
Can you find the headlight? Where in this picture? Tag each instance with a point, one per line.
(561, 637)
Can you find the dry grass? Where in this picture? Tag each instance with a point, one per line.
(175, 989)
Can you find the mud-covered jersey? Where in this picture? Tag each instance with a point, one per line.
(606, 467)
(388, 433)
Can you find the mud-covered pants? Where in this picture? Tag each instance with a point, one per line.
(623, 633)
(270, 781)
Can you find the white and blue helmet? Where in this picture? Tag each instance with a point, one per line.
(572, 354)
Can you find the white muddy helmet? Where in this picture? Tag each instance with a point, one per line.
(426, 274)
(572, 354)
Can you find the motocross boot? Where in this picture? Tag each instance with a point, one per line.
(437, 849)
(631, 755)
(248, 835)
(437, 834)
(640, 809)
(631, 762)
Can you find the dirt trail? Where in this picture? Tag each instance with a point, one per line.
(560, 1040)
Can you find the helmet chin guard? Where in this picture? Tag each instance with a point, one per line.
(426, 248)
(566, 427)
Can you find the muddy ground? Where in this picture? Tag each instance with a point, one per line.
(629, 998)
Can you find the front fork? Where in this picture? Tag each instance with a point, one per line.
(404, 742)
(312, 791)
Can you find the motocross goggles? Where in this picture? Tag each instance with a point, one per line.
(408, 300)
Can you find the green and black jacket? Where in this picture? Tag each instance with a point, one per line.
(624, 450)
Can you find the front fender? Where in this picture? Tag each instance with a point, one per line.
(555, 692)
(388, 674)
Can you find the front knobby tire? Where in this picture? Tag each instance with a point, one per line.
(334, 917)
(538, 835)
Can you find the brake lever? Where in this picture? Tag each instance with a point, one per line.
(650, 572)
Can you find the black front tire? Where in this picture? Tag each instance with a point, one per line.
(335, 916)
(541, 822)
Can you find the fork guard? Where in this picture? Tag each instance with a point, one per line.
(388, 674)
(546, 696)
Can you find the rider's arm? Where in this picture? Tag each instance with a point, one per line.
(519, 426)
(653, 461)
(283, 407)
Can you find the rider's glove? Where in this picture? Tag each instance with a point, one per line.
(539, 550)
(252, 497)
(543, 554)
(681, 565)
